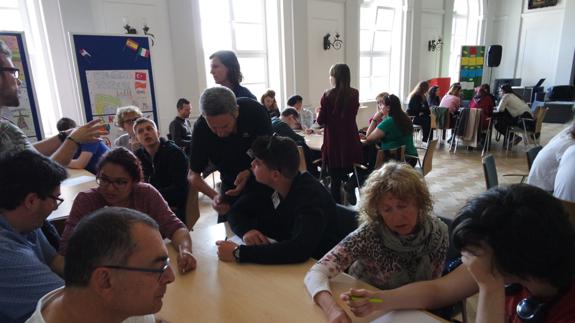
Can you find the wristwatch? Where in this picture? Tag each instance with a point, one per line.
(236, 253)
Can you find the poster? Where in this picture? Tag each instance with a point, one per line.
(471, 71)
(24, 116)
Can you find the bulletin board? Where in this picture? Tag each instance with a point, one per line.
(114, 71)
(471, 71)
(26, 115)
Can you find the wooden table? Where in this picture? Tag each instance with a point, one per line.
(78, 180)
(314, 141)
(230, 292)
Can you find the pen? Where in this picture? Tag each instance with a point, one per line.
(371, 299)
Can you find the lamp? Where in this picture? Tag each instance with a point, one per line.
(434, 45)
(336, 43)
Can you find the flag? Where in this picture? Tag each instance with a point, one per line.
(139, 85)
(140, 76)
(84, 53)
(132, 44)
(143, 52)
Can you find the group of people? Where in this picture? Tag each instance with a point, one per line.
(112, 263)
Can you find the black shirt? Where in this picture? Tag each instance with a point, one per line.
(229, 155)
(181, 133)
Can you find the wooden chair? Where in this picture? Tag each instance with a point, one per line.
(427, 164)
(302, 163)
(528, 135)
(192, 207)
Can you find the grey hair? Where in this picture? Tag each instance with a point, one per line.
(218, 100)
(5, 50)
(121, 113)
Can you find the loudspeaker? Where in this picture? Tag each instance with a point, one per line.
(494, 55)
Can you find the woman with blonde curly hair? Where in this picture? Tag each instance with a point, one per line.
(398, 242)
(124, 119)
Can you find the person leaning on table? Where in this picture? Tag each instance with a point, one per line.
(517, 235)
(398, 242)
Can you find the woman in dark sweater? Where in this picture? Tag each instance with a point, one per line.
(418, 108)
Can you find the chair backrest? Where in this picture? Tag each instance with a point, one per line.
(539, 116)
(346, 219)
(302, 163)
(531, 154)
(397, 154)
(428, 158)
(490, 171)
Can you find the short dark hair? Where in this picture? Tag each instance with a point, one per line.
(65, 124)
(294, 99)
(24, 172)
(290, 112)
(279, 153)
(230, 61)
(125, 158)
(527, 228)
(181, 103)
(101, 238)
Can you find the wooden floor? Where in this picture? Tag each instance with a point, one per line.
(453, 179)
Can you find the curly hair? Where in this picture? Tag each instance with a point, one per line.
(121, 113)
(269, 94)
(399, 180)
(125, 158)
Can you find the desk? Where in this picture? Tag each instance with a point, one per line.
(314, 141)
(78, 180)
(230, 292)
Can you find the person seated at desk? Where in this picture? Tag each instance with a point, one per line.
(483, 100)
(306, 117)
(452, 100)
(394, 131)
(124, 119)
(398, 241)
(117, 270)
(164, 164)
(29, 192)
(510, 110)
(516, 234)
(418, 108)
(180, 127)
(433, 99)
(119, 184)
(300, 214)
(88, 154)
(268, 100)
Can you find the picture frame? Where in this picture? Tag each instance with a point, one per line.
(536, 4)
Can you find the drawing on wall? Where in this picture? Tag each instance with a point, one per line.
(471, 71)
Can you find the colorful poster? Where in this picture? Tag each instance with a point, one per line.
(471, 71)
(25, 116)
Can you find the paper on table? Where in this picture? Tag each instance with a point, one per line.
(78, 180)
(411, 316)
(237, 240)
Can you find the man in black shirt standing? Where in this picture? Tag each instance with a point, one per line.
(223, 134)
(180, 127)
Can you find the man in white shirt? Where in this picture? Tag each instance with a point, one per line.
(117, 270)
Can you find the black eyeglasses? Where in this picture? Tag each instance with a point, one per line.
(159, 271)
(118, 184)
(130, 120)
(58, 200)
(12, 70)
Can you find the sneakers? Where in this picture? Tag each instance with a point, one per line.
(517, 140)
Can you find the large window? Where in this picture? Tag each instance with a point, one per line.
(465, 30)
(247, 28)
(380, 48)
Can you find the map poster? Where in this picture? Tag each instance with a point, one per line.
(471, 71)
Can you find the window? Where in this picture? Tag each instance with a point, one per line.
(465, 30)
(243, 26)
(380, 48)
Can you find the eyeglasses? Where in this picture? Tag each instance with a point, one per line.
(131, 120)
(118, 184)
(58, 200)
(159, 271)
(12, 70)
(530, 310)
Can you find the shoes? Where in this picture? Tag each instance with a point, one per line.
(517, 140)
(449, 140)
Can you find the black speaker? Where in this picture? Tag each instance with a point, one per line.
(494, 55)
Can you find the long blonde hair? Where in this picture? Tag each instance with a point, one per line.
(399, 180)
(419, 89)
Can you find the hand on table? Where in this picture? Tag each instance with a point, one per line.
(360, 307)
(226, 250)
(254, 238)
(186, 261)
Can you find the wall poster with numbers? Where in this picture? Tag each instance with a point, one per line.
(471, 71)
(114, 71)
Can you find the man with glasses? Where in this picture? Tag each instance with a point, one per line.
(61, 147)
(117, 270)
(300, 214)
(29, 192)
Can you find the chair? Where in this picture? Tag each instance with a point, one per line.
(346, 219)
(302, 163)
(531, 135)
(427, 164)
(489, 171)
(532, 154)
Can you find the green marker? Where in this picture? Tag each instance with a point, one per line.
(371, 300)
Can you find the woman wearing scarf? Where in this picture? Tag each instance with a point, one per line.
(398, 241)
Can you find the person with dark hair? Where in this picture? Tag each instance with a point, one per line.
(518, 235)
(394, 131)
(306, 117)
(482, 100)
(181, 127)
(164, 164)
(398, 242)
(225, 69)
(29, 192)
(300, 214)
(268, 100)
(87, 155)
(222, 135)
(510, 110)
(418, 108)
(120, 184)
(433, 98)
(61, 147)
(487, 88)
(117, 270)
(341, 144)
